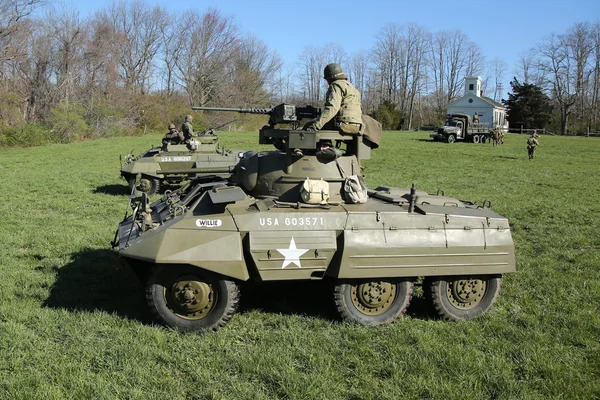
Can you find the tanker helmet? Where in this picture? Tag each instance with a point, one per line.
(333, 71)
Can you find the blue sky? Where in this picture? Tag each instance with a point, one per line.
(502, 29)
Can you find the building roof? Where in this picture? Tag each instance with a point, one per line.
(488, 100)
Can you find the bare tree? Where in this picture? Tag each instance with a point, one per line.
(312, 62)
(207, 43)
(137, 30)
(252, 73)
(564, 59)
(358, 74)
(388, 59)
(452, 58)
(496, 71)
(68, 31)
(594, 114)
(528, 68)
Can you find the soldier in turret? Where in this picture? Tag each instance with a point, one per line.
(186, 128)
(342, 110)
(173, 136)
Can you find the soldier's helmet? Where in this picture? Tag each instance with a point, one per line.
(171, 126)
(333, 71)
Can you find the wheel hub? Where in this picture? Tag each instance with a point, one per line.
(145, 185)
(373, 298)
(190, 299)
(466, 293)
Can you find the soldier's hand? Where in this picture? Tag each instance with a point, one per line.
(310, 127)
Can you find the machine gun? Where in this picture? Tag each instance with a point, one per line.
(279, 114)
(212, 129)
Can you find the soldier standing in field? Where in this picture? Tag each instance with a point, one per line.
(186, 128)
(532, 143)
(342, 110)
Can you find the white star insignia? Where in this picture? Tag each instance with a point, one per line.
(292, 254)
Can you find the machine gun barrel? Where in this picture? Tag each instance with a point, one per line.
(243, 110)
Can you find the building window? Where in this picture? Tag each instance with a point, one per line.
(471, 86)
(470, 100)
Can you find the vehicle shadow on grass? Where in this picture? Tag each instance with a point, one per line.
(113, 190)
(95, 281)
(313, 298)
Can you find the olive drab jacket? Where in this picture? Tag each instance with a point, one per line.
(187, 130)
(532, 142)
(342, 102)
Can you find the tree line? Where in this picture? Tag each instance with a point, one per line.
(132, 67)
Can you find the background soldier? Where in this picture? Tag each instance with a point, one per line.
(173, 136)
(342, 110)
(476, 118)
(186, 128)
(496, 136)
(532, 143)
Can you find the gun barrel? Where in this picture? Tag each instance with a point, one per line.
(253, 110)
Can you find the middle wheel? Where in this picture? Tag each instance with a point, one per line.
(376, 302)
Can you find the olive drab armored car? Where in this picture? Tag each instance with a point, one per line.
(303, 213)
(172, 163)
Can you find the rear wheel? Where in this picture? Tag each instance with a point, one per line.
(451, 139)
(373, 302)
(148, 185)
(476, 139)
(191, 299)
(462, 298)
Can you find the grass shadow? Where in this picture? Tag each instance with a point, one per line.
(95, 280)
(311, 298)
(505, 158)
(113, 190)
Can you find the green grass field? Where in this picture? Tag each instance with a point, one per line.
(73, 322)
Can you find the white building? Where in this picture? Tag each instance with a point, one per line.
(490, 112)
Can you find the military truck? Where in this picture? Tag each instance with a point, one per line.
(459, 126)
(193, 248)
(174, 163)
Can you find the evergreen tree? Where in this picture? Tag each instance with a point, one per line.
(528, 106)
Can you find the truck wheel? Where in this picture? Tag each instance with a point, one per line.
(476, 139)
(149, 185)
(190, 299)
(462, 298)
(451, 139)
(372, 302)
(483, 138)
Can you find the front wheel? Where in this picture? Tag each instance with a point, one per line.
(148, 185)
(190, 299)
(451, 139)
(462, 298)
(372, 302)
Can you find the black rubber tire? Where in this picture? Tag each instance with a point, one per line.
(476, 139)
(153, 185)
(449, 307)
(164, 280)
(131, 183)
(451, 139)
(483, 139)
(347, 309)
